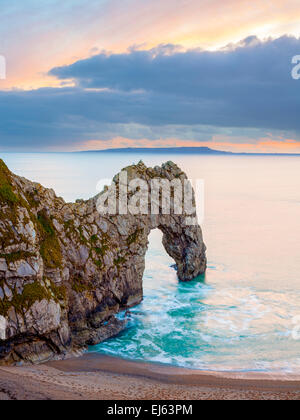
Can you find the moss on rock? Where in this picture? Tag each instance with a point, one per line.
(50, 247)
(31, 293)
(22, 302)
(59, 292)
(79, 285)
(133, 238)
(17, 256)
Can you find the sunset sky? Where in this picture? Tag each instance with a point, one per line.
(94, 74)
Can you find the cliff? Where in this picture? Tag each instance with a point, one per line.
(66, 270)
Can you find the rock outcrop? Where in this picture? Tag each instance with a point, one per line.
(66, 270)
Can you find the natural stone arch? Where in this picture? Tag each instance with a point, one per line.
(184, 243)
(65, 269)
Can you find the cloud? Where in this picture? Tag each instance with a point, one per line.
(36, 35)
(245, 90)
(252, 72)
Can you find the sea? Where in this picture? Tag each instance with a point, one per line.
(244, 313)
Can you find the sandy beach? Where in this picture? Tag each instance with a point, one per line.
(94, 377)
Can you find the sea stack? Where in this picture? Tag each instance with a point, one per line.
(66, 270)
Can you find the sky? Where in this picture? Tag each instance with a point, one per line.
(95, 74)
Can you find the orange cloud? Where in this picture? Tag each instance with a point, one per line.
(63, 36)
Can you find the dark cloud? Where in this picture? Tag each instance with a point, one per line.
(235, 70)
(167, 91)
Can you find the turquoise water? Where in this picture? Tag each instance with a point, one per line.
(208, 323)
(241, 314)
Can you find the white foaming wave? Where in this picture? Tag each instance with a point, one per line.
(199, 326)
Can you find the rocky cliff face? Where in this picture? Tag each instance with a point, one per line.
(65, 270)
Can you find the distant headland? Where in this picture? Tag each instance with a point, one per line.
(162, 150)
(181, 151)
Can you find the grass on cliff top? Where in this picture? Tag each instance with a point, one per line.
(7, 194)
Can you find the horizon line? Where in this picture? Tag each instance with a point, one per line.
(160, 149)
(184, 148)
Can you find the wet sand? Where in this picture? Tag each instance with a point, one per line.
(95, 377)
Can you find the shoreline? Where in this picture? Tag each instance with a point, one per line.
(93, 376)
